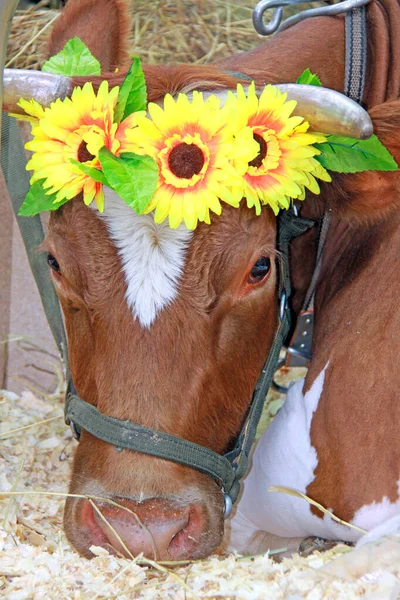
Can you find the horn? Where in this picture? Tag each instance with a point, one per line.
(7, 10)
(44, 87)
(328, 111)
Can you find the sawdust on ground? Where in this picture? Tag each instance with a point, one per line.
(37, 562)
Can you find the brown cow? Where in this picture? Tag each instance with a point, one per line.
(336, 439)
(192, 371)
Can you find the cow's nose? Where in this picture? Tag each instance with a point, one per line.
(156, 527)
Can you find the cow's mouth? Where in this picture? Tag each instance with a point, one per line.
(159, 528)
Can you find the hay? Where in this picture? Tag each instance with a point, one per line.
(163, 31)
(37, 562)
(29, 32)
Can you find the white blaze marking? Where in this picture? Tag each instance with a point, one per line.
(153, 257)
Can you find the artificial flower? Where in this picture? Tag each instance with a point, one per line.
(194, 148)
(284, 164)
(75, 128)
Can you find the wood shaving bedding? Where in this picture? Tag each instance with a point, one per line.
(37, 562)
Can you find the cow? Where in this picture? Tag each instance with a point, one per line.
(183, 357)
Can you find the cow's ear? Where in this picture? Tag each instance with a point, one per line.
(369, 196)
(103, 25)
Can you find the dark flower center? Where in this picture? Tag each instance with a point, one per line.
(186, 160)
(257, 161)
(83, 153)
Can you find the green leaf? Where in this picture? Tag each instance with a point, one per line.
(95, 174)
(74, 59)
(132, 176)
(347, 155)
(37, 200)
(132, 95)
(309, 78)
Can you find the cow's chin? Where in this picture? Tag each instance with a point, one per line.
(179, 527)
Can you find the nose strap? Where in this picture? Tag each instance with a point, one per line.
(130, 436)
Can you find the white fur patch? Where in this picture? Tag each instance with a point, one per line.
(152, 255)
(284, 456)
(387, 528)
(377, 513)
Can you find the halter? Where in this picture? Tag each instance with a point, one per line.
(226, 470)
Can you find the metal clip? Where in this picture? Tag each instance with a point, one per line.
(298, 353)
(299, 350)
(75, 431)
(228, 506)
(282, 305)
(276, 23)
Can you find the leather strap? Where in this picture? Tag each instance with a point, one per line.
(356, 53)
(299, 349)
(13, 163)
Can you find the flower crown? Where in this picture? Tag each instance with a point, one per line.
(180, 161)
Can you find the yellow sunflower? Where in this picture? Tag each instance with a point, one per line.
(75, 128)
(194, 148)
(284, 164)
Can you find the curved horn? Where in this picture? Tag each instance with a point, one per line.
(7, 10)
(44, 87)
(328, 111)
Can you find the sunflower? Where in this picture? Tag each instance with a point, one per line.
(194, 148)
(284, 164)
(75, 128)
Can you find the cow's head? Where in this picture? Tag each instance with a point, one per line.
(166, 328)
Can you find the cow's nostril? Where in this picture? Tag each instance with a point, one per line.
(185, 540)
(156, 528)
(160, 528)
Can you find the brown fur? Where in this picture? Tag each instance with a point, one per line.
(104, 27)
(354, 429)
(210, 345)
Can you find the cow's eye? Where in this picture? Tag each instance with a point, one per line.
(52, 262)
(260, 270)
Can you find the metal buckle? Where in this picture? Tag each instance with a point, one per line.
(228, 506)
(276, 24)
(75, 431)
(299, 350)
(298, 353)
(282, 305)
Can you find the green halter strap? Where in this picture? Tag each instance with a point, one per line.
(226, 470)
